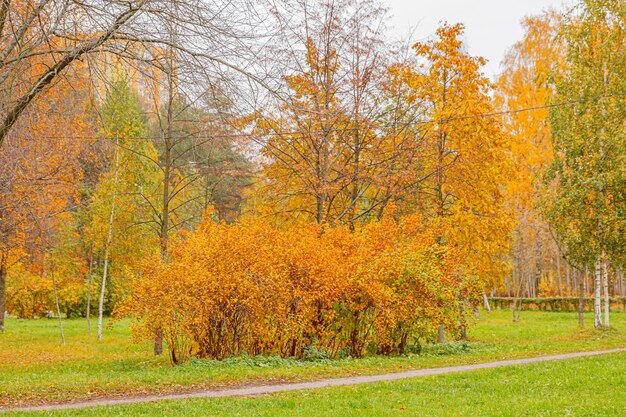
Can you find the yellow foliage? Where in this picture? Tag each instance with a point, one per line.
(251, 287)
(465, 158)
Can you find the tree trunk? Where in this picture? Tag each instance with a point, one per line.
(3, 284)
(605, 285)
(597, 282)
(104, 281)
(158, 342)
(538, 270)
(486, 301)
(462, 317)
(581, 303)
(517, 309)
(56, 301)
(89, 281)
(108, 241)
(558, 274)
(517, 300)
(167, 172)
(440, 334)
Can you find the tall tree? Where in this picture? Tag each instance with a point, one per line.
(41, 165)
(49, 37)
(524, 83)
(116, 207)
(325, 156)
(464, 160)
(587, 206)
(468, 154)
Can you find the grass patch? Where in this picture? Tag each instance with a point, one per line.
(577, 387)
(35, 368)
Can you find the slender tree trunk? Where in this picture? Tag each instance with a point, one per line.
(486, 301)
(320, 210)
(605, 285)
(597, 308)
(601, 275)
(108, 241)
(89, 281)
(441, 199)
(558, 274)
(517, 309)
(581, 302)
(538, 270)
(462, 317)
(165, 212)
(517, 302)
(103, 287)
(440, 334)
(167, 173)
(3, 284)
(56, 301)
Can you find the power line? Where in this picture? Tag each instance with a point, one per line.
(543, 107)
(404, 124)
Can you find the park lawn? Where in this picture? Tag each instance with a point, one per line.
(35, 368)
(592, 386)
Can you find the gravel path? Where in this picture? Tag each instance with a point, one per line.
(249, 391)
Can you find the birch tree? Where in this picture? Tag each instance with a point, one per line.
(587, 206)
(114, 208)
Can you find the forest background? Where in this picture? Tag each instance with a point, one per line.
(286, 179)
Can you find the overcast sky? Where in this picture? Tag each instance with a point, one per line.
(492, 26)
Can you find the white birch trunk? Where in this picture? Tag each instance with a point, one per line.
(90, 280)
(56, 301)
(108, 242)
(486, 301)
(605, 285)
(597, 281)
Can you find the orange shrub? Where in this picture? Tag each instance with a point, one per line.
(28, 295)
(251, 287)
(31, 295)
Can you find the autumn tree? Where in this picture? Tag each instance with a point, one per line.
(523, 90)
(42, 164)
(49, 37)
(193, 161)
(116, 210)
(464, 159)
(586, 206)
(324, 154)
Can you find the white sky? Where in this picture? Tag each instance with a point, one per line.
(491, 26)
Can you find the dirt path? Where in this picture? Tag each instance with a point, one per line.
(249, 391)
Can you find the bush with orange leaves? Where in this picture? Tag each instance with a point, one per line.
(253, 288)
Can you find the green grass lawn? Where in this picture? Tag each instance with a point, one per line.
(591, 387)
(35, 368)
